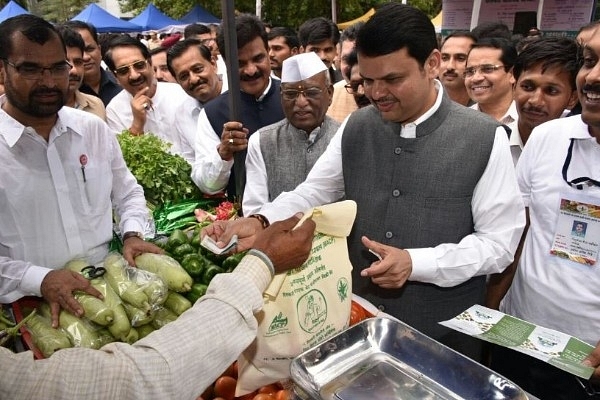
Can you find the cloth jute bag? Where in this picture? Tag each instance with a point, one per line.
(305, 305)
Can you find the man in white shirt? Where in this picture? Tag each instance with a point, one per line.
(62, 173)
(439, 212)
(556, 274)
(193, 67)
(145, 106)
(489, 79)
(282, 154)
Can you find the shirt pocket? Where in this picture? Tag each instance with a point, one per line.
(94, 188)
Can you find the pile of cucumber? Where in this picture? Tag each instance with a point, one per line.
(136, 301)
(201, 264)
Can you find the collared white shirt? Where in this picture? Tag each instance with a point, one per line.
(516, 144)
(209, 171)
(160, 118)
(497, 209)
(50, 214)
(548, 290)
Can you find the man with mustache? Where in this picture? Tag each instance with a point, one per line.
(96, 80)
(61, 175)
(282, 154)
(218, 137)
(455, 49)
(146, 105)
(433, 181)
(545, 72)
(556, 275)
(193, 67)
(75, 49)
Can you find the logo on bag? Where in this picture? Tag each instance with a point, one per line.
(279, 322)
(312, 311)
(342, 288)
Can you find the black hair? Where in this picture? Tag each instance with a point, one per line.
(549, 52)
(289, 35)
(195, 29)
(181, 47)
(508, 50)
(350, 32)
(124, 41)
(71, 37)
(34, 28)
(382, 35)
(77, 25)
(492, 29)
(157, 50)
(460, 34)
(248, 27)
(351, 61)
(317, 30)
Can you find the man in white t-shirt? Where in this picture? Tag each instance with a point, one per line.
(556, 275)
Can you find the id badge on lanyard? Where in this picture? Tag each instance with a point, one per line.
(577, 233)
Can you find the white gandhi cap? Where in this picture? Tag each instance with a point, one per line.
(301, 66)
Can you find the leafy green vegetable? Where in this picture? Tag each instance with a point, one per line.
(165, 177)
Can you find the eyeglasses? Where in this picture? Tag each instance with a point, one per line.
(352, 88)
(138, 66)
(312, 93)
(35, 71)
(484, 69)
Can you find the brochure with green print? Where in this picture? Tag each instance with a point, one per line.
(554, 347)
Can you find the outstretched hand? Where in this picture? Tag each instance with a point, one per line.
(285, 246)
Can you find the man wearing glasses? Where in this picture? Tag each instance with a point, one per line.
(281, 155)
(61, 174)
(146, 105)
(489, 79)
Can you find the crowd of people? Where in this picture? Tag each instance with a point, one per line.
(460, 156)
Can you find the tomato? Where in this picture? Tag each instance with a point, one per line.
(231, 371)
(272, 388)
(357, 313)
(248, 396)
(264, 396)
(283, 394)
(208, 393)
(225, 387)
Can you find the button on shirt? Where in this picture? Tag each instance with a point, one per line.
(50, 214)
(447, 264)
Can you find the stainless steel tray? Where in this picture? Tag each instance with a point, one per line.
(384, 359)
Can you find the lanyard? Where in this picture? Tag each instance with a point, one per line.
(577, 183)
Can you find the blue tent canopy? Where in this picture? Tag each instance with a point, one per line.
(104, 21)
(151, 18)
(11, 9)
(199, 15)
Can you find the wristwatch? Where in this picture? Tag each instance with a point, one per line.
(131, 234)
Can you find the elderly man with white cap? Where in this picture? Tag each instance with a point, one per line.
(281, 155)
